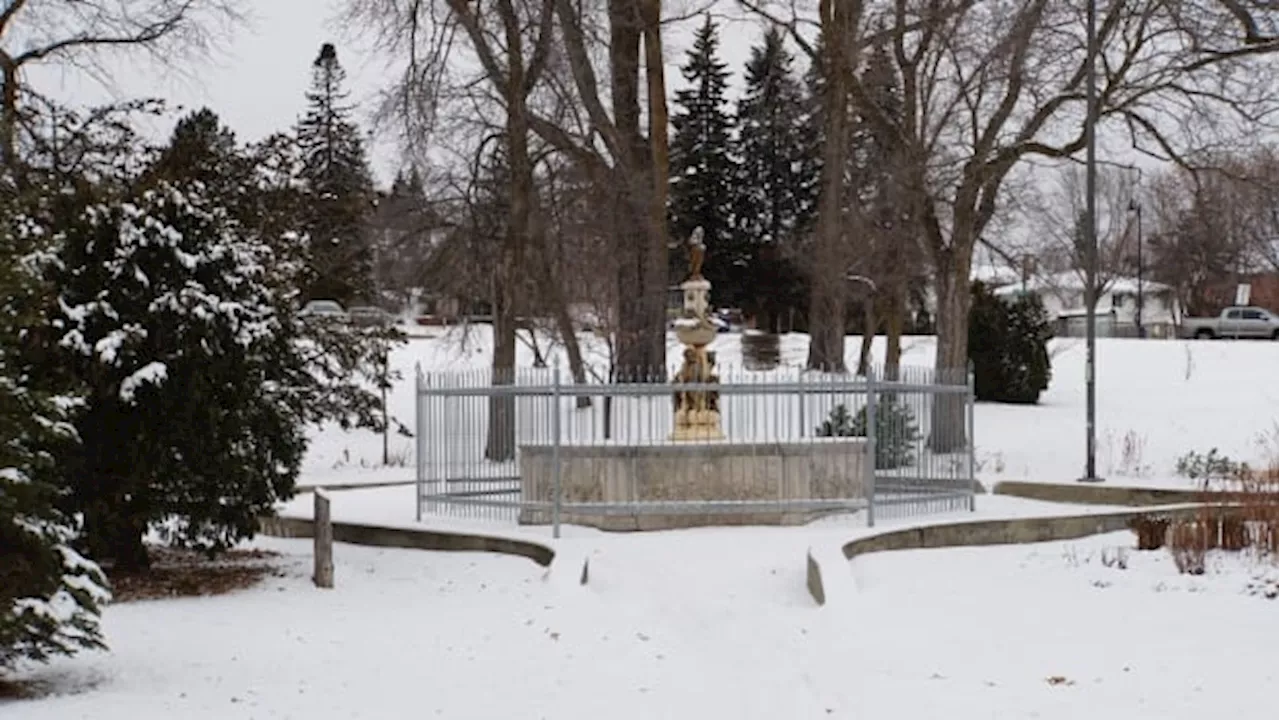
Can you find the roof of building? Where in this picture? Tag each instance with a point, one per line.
(1072, 280)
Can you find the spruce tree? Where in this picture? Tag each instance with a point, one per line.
(401, 229)
(339, 187)
(50, 595)
(880, 191)
(776, 188)
(1008, 346)
(169, 294)
(191, 420)
(201, 148)
(703, 171)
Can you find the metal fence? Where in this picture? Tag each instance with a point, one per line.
(535, 448)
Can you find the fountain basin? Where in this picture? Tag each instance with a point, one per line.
(669, 483)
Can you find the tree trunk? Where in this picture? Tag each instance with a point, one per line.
(642, 272)
(869, 327)
(564, 324)
(657, 278)
(9, 119)
(572, 348)
(501, 442)
(952, 360)
(895, 319)
(827, 269)
(111, 537)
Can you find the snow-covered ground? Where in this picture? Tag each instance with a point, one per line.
(1157, 400)
(716, 622)
(694, 624)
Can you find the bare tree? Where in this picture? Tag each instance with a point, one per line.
(512, 40)
(1060, 241)
(1257, 206)
(1215, 228)
(988, 85)
(616, 152)
(82, 33)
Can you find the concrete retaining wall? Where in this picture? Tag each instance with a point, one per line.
(354, 486)
(411, 538)
(824, 577)
(1085, 494)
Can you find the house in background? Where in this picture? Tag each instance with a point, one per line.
(994, 275)
(1116, 315)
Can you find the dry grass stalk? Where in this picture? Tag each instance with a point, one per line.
(1151, 531)
(1189, 542)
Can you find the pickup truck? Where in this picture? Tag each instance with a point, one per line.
(1233, 322)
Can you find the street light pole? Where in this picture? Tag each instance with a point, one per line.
(1091, 221)
(1135, 207)
(1142, 329)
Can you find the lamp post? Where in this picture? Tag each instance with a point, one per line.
(1091, 238)
(1135, 206)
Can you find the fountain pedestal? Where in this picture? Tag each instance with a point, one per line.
(697, 412)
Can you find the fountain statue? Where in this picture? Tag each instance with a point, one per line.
(697, 412)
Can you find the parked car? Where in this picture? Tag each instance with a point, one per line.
(1233, 322)
(323, 310)
(368, 315)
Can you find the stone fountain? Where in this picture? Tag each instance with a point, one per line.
(697, 412)
(688, 481)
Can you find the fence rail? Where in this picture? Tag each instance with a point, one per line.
(529, 447)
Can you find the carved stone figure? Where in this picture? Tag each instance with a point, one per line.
(697, 250)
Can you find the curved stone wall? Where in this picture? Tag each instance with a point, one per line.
(828, 572)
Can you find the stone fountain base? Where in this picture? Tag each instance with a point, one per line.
(679, 481)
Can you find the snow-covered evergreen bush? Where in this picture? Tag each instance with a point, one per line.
(168, 312)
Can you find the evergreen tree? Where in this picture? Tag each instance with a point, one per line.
(877, 155)
(168, 312)
(777, 186)
(1008, 346)
(49, 594)
(703, 171)
(880, 194)
(202, 149)
(339, 187)
(191, 421)
(401, 236)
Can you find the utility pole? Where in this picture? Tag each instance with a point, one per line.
(1091, 239)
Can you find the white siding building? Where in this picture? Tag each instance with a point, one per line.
(1116, 314)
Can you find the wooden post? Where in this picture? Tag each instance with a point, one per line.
(323, 541)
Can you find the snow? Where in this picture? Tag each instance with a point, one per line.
(153, 373)
(717, 622)
(692, 624)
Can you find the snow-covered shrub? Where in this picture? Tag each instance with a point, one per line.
(1211, 470)
(896, 430)
(1008, 346)
(168, 314)
(173, 281)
